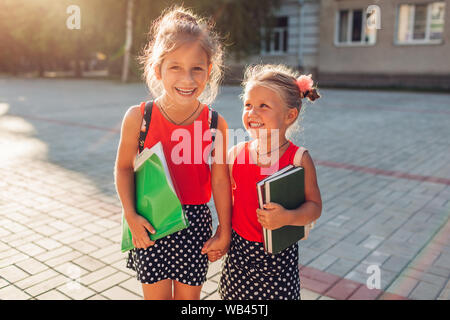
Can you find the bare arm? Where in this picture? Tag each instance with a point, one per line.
(221, 190)
(124, 177)
(312, 208)
(220, 179)
(126, 153)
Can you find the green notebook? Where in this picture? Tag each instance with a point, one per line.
(287, 188)
(156, 198)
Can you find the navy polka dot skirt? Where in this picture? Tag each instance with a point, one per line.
(177, 256)
(249, 273)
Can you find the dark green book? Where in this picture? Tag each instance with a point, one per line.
(287, 188)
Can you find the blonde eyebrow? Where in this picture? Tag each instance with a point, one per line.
(195, 63)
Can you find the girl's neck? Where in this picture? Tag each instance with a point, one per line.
(177, 113)
(167, 103)
(270, 143)
(267, 151)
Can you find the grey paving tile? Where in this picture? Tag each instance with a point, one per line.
(323, 261)
(366, 219)
(349, 251)
(376, 257)
(425, 291)
(341, 267)
(396, 263)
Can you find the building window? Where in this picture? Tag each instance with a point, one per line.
(420, 23)
(277, 41)
(352, 28)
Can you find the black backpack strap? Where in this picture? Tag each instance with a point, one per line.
(213, 122)
(145, 124)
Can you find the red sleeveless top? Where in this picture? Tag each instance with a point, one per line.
(246, 175)
(186, 149)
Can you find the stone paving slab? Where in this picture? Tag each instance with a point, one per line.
(383, 166)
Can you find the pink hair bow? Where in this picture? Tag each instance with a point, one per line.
(304, 83)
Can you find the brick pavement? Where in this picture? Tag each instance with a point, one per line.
(383, 166)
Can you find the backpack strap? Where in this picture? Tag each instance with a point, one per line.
(145, 124)
(298, 163)
(213, 120)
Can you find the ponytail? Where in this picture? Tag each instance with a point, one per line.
(305, 85)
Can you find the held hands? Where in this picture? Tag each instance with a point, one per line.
(217, 246)
(139, 227)
(273, 216)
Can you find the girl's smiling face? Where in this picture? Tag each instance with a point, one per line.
(184, 73)
(265, 109)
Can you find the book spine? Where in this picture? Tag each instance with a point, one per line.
(260, 196)
(260, 190)
(267, 232)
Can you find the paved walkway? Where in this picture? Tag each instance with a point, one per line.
(383, 163)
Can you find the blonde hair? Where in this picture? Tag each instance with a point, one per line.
(282, 80)
(177, 26)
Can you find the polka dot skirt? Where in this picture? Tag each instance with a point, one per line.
(249, 273)
(177, 256)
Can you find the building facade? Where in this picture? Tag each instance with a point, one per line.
(391, 43)
(364, 43)
(294, 40)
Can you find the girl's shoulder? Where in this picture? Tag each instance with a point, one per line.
(132, 119)
(302, 158)
(135, 111)
(298, 153)
(221, 123)
(234, 151)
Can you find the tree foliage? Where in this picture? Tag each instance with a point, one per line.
(34, 35)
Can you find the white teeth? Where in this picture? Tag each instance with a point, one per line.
(255, 124)
(185, 92)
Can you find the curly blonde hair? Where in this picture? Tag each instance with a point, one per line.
(177, 26)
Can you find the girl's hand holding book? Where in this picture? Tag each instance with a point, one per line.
(139, 227)
(273, 216)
